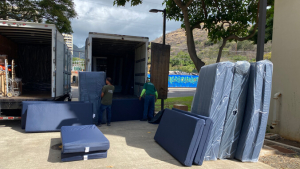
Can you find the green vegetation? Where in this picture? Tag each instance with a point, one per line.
(171, 101)
(77, 59)
(182, 62)
(58, 12)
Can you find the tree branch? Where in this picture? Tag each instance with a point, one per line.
(179, 4)
(204, 8)
(189, 3)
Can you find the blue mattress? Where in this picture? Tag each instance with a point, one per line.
(127, 109)
(80, 139)
(235, 110)
(211, 100)
(256, 113)
(51, 117)
(180, 134)
(25, 107)
(90, 88)
(204, 138)
(83, 156)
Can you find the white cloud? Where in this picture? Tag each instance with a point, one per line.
(101, 16)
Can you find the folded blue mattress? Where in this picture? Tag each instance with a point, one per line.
(25, 107)
(83, 156)
(80, 139)
(204, 138)
(127, 109)
(235, 110)
(90, 88)
(256, 113)
(211, 100)
(51, 117)
(180, 134)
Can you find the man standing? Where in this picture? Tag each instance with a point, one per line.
(150, 99)
(106, 95)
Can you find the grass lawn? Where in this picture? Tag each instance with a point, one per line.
(171, 101)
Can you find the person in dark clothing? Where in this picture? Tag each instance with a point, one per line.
(106, 101)
(151, 96)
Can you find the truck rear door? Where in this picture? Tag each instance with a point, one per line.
(59, 62)
(140, 68)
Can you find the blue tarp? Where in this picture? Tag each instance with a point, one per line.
(189, 81)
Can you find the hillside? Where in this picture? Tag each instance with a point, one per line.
(207, 50)
(77, 50)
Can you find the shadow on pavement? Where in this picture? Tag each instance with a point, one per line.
(54, 151)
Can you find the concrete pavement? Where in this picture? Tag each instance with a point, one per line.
(131, 146)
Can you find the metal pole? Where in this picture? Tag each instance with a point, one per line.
(261, 29)
(164, 42)
(164, 29)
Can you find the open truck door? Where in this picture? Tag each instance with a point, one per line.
(140, 69)
(59, 64)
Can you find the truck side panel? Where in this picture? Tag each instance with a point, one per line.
(59, 61)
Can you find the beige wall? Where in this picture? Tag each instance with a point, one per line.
(286, 76)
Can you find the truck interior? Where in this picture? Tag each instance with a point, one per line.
(31, 50)
(118, 59)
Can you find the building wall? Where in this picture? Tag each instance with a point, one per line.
(69, 41)
(286, 75)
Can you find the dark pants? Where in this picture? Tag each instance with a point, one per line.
(149, 107)
(108, 113)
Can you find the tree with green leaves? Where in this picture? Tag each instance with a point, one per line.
(224, 20)
(58, 12)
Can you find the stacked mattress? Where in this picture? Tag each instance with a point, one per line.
(256, 112)
(211, 100)
(90, 88)
(199, 157)
(51, 117)
(180, 134)
(83, 143)
(235, 110)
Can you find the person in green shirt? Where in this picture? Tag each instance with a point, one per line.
(106, 101)
(151, 96)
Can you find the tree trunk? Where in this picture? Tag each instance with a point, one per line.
(220, 50)
(190, 41)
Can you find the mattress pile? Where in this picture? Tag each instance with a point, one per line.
(235, 110)
(228, 118)
(180, 134)
(256, 112)
(90, 88)
(47, 117)
(211, 100)
(83, 143)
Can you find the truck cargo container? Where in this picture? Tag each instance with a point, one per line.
(124, 58)
(42, 59)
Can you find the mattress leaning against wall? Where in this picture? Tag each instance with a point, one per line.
(235, 110)
(257, 111)
(211, 100)
(90, 87)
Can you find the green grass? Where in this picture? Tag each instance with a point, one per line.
(171, 101)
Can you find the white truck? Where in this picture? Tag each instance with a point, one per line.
(42, 59)
(123, 58)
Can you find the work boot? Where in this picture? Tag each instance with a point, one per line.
(143, 120)
(108, 124)
(99, 125)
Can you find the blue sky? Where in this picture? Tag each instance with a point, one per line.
(101, 16)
